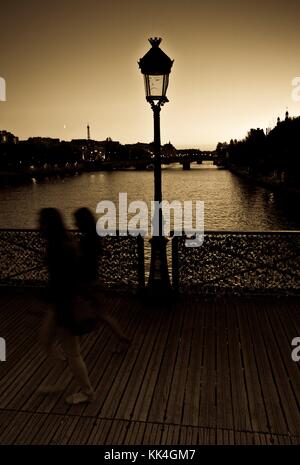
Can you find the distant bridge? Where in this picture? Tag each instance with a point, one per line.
(186, 158)
(181, 157)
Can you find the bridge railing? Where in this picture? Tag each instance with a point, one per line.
(238, 262)
(22, 259)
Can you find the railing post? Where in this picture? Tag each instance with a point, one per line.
(141, 262)
(175, 269)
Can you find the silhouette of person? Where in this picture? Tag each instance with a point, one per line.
(90, 251)
(62, 261)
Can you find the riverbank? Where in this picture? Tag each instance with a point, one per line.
(11, 178)
(270, 182)
(8, 178)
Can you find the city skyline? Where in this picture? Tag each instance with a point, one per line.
(72, 63)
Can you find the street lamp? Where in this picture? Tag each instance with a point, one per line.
(156, 67)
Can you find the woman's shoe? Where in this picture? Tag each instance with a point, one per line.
(80, 398)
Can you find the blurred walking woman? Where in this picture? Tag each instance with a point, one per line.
(62, 262)
(90, 251)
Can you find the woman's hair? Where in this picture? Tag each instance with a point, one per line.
(51, 224)
(85, 220)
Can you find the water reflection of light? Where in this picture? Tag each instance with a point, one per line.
(230, 202)
(34, 181)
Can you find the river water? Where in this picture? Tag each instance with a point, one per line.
(230, 203)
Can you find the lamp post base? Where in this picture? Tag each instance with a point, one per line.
(159, 279)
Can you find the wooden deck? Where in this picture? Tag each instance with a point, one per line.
(197, 372)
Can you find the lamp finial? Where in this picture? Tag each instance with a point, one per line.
(155, 41)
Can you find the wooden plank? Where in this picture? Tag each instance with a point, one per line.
(159, 432)
(149, 334)
(175, 404)
(135, 433)
(220, 437)
(206, 436)
(295, 440)
(65, 428)
(153, 436)
(165, 433)
(100, 432)
(148, 434)
(200, 436)
(288, 401)
(224, 397)
(175, 436)
(193, 383)
(110, 371)
(250, 439)
(231, 438)
(226, 439)
(12, 430)
(123, 431)
(208, 411)
(256, 439)
(237, 437)
(284, 440)
(140, 434)
(259, 421)
(213, 437)
(45, 434)
(20, 339)
(122, 375)
(35, 423)
(6, 418)
(82, 431)
(16, 358)
(271, 399)
(115, 432)
(7, 298)
(143, 401)
(292, 312)
(182, 435)
(243, 438)
(190, 435)
(195, 436)
(163, 383)
(284, 338)
(238, 384)
(21, 379)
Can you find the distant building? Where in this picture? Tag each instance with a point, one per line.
(8, 138)
(43, 140)
(91, 150)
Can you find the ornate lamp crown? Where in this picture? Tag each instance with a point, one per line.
(155, 41)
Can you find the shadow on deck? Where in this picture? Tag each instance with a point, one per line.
(215, 371)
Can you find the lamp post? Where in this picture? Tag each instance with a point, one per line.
(156, 67)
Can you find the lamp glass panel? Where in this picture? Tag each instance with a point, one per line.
(156, 86)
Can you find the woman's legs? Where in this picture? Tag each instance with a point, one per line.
(47, 336)
(72, 351)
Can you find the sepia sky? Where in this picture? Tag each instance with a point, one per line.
(69, 62)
